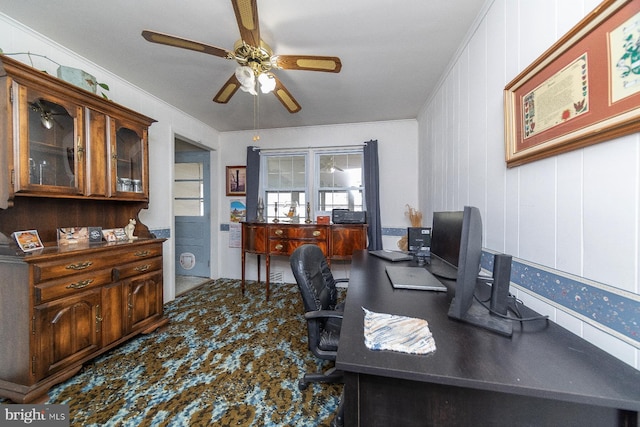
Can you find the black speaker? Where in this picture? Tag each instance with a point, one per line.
(345, 216)
(501, 280)
(419, 240)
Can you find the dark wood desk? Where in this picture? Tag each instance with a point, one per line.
(543, 375)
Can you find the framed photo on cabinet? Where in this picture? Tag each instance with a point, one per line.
(583, 90)
(73, 235)
(28, 240)
(236, 180)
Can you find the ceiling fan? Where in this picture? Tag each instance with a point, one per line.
(254, 57)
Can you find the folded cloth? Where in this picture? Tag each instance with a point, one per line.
(397, 333)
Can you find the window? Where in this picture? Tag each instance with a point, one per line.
(333, 178)
(340, 182)
(285, 184)
(188, 189)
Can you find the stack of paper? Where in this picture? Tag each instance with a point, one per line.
(397, 333)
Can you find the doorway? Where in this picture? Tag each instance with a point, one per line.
(192, 216)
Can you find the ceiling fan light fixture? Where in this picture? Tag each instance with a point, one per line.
(247, 79)
(267, 82)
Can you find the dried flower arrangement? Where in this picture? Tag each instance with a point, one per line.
(415, 216)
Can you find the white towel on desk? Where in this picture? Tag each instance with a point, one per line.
(397, 333)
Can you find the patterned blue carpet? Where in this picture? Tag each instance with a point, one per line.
(223, 360)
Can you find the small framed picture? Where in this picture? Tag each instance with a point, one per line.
(236, 180)
(95, 234)
(72, 235)
(238, 211)
(115, 235)
(28, 240)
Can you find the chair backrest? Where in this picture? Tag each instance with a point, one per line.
(315, 281)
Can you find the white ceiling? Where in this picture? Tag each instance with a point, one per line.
(392, 52)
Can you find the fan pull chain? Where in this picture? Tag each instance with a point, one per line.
(256, 117)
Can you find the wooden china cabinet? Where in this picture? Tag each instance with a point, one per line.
(70, 158)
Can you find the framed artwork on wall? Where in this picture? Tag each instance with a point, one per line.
(583, 90)
(236, 180)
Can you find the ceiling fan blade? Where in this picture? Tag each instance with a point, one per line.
(285, 97)
(329, 64)
(166, 39)
(227, 90)
(247, 16)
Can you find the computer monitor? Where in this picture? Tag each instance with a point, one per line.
(445, 243)
(463, 306)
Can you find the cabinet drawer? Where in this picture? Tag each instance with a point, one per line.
(56, 268)
(286, 247)
(53, 269)
(314, 233)
(66, 286)
(143, 252)
(135, 268)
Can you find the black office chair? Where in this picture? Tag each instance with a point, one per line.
(322, 311)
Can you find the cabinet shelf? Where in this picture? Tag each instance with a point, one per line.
(45, 145)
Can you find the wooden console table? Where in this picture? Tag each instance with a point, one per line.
(337, 241)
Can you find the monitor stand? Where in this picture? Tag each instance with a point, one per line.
(478, 315)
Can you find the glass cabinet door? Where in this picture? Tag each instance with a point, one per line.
(128, 154)
(52, 139)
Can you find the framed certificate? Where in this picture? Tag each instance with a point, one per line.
(585, 89)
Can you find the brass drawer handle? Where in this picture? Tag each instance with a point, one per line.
(316, 233)
(81, 284)
(279, 232)
(80, 266)
(279, 247)
(142, 253)
(143, 267)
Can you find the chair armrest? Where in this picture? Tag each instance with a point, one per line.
(323, 314)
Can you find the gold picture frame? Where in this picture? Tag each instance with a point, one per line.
(236, 180)
(581, 91)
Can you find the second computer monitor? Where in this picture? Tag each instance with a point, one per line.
(445, 236)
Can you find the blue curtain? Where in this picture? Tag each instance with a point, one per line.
(253, 182)
(372, 194)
